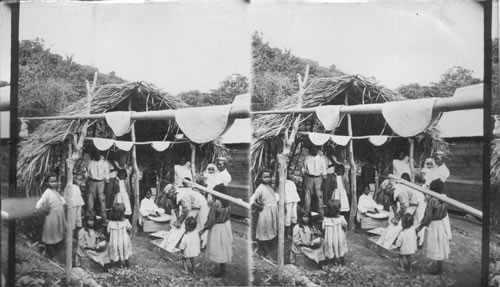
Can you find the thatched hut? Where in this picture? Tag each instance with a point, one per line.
(44, 150)
(345, 90)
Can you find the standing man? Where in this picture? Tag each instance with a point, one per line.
(223, 175)
(314, 170)
(401, 165)
(329, 183)
(97, 175)
(442, 172)
(112, 186)
(182, 170)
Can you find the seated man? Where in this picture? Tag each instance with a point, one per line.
(148, 208)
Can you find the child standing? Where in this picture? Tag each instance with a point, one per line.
(265, 200)
(54, 226)
(407, 242)
(292, 198)
(76, 200)
(334, 225)
(119, 247)
(121, 195)
(190, 244)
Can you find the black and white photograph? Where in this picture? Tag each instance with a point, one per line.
(134, 133)
(367, 143)
(250, 143)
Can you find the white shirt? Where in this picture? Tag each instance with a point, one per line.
(291, 194)
(314, 165)
(442, 172)
(212, 180)
(224, 177)
(148, 206)
(181, 172)
(401, 166)
(367, 203)
(76, 196)
(430, 174)
(98, 170)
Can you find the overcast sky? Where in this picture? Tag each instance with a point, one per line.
(393, 41)
(176, 46)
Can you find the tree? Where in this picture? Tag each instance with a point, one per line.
(275, 73)
(495, 79)
(48, 82)
(454, 78)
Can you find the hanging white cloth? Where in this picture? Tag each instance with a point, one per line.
(318, 138)
(340, 140)
(329, 116)
(103, 144)
(203, 124)
(124, 145)
(119, 122)
(160, 146)
(409, 118)
(378, 140)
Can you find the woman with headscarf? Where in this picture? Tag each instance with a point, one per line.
(429, 171)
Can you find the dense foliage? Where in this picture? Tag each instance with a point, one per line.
(275, 73)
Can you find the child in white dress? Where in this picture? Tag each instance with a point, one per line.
(407, 242)
(190, 244)
(120, 246)
(334, 226)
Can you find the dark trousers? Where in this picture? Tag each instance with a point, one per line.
(312, 185)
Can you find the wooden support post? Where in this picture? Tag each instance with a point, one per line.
(193, 159)
(135, 178)
(75, 148)
(412, 159)
(283, 159)
(352, 162)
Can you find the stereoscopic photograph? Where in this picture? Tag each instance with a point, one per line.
(250, 143)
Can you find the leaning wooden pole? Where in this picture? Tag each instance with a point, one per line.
(352, 163)
(193, 159)
(135, 178)
(75, 148)
(442, 197)
(412, 158)
(237, 201)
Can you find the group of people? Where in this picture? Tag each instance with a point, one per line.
(106, 240)
(424, 220)
(110, 248)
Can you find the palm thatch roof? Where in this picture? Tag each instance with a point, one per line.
(333, 91)
(37, 153)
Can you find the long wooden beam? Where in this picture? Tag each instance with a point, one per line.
(442, 197)
(441, 105)
(237, 201)
(236, 112)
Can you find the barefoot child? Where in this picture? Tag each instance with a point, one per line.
(121, 195)
(120, 246)
(334, 225)
(190, 244)
(91, 244)
(407, 242)
(265, 200)
(306, 240)
(54, 225)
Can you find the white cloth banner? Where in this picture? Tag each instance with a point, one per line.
(378, 140)
(329, 116)
(409, 118)
(160, 146)
(103, 144)
(203, 124)
(119, 122)
(123, 145)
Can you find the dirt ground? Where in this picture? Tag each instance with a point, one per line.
(364, 267)
(148, 268)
